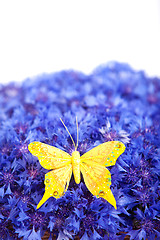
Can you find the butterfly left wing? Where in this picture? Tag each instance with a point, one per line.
(105, 154)
(56, 183)
(49, 157)
(57, 180)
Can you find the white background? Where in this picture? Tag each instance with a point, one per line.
(46, 36)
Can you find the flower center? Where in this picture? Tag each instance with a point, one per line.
(8, 177)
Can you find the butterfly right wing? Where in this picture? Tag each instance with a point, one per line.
(56, 183)
(49, 157)
(98, 180)
(105, 154)
(96, 177)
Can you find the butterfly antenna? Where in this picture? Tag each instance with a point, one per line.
(77, 133)
(75, 146)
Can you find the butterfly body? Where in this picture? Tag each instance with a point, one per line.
(75, 160)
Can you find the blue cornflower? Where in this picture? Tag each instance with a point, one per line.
(9, 176)
(144, 195)
(37, 221)
(146, 225)
(113, 131)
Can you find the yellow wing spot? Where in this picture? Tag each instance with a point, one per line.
(108, 179)
(47, 180)
(118, 145)
(101, 193)
(55, 193)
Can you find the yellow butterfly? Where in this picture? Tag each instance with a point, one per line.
(92, 165)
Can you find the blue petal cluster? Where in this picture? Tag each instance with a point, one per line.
(113, 103)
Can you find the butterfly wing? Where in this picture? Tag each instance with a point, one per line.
(98, 180)
(56, 183)
(57, 180)
(105, 154)
(96, 177)
(49, 157)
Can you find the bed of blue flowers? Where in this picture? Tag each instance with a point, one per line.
(115, 102)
